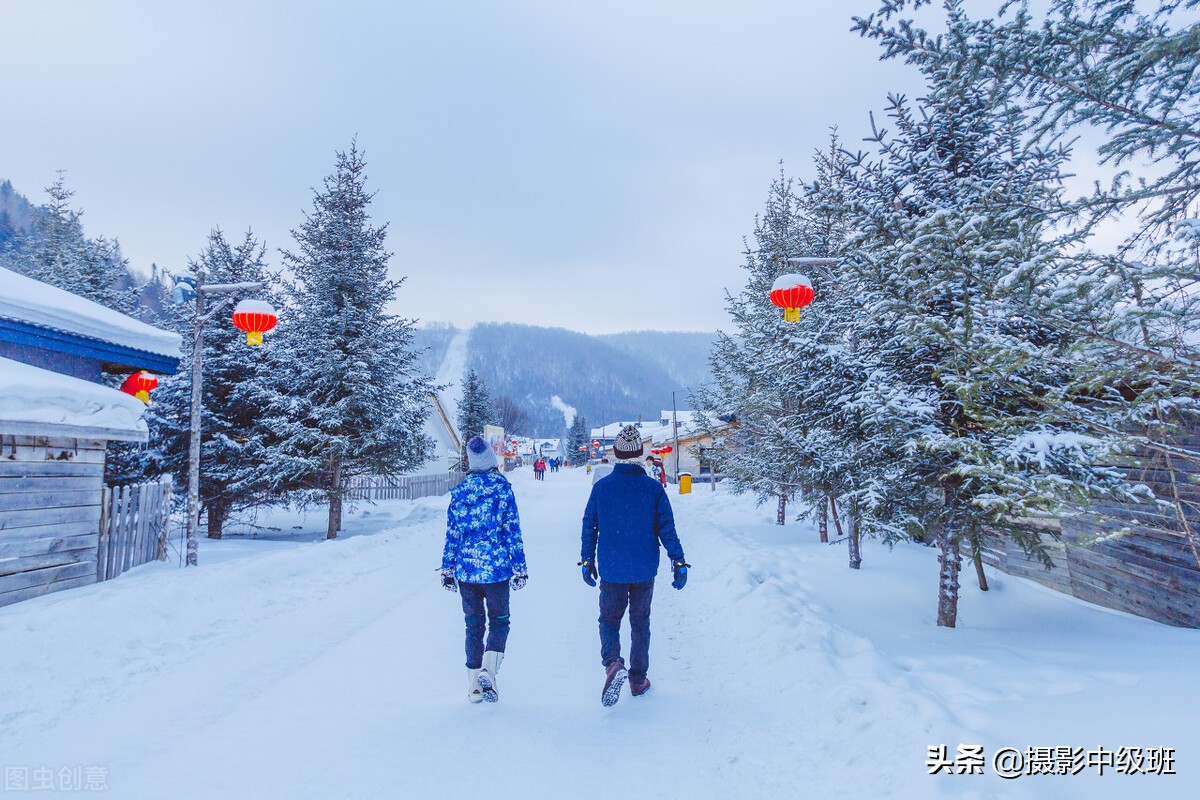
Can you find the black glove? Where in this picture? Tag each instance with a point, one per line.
(589, 572)
(518, 581)
(679, 570)
(448, 582)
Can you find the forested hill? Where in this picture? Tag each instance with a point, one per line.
(606, 378)
(16, 214)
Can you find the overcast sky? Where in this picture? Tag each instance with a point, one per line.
(586, 165)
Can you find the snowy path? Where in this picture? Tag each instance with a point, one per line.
(328, 670)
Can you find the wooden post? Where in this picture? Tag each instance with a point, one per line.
(193, 491)
(164, 529)
(102, 552)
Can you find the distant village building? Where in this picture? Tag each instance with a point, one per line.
(56, 418)
(446, 452)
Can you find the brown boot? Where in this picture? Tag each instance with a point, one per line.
(639, 686)
(615, 676)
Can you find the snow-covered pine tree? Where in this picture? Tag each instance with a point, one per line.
(474, 407)
(348, 397)
(579, 435)
(1134, 71)
(752, 386)
(956, 261)
(58, 253)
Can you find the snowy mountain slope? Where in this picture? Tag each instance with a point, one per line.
(312, 669)
(605, 378)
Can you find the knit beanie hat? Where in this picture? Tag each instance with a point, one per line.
(480, 457)
(628, 443)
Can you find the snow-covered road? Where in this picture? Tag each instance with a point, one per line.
(285, 669)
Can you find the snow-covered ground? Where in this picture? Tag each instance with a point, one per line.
(289, 667)
(452, 369)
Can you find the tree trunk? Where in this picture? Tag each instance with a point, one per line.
(781, 514)
(837, 519)
(949, 560)
(335, 498)
(217, 514)
(854, 546)
(978, 557)
(823, 519)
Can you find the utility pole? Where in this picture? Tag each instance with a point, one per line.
(193, 495)
(675, 434)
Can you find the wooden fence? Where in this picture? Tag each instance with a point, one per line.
(134, 525)
(1140, 558)
(408, 487)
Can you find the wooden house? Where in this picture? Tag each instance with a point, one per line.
(56, 418)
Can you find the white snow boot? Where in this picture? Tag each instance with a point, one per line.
(487, 675)
(474, 692)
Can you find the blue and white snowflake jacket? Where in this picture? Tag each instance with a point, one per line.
(483, 531)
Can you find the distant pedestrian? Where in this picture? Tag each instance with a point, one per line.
(601, 470)
(483, 558)
(628, 515)
(654, 470)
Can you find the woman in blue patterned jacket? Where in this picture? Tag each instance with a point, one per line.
(483, 557)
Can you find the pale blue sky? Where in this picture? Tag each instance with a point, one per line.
(588, 165)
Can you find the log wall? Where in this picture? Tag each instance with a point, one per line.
(1143, 559)
(50, 496)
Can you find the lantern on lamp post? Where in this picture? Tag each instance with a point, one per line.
(791, 292)
(255, 317)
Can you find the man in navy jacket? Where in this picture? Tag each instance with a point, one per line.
(627, 516)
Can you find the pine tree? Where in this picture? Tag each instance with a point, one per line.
(58, 253)
(474, 407)
(1133, 314)
(349, 398)
(956, 259)
(751, 383)
(578, 440)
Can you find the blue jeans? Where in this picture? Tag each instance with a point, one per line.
(614, 598)
(474, 598)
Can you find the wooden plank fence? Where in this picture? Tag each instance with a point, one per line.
(134, 526)
(407, 487)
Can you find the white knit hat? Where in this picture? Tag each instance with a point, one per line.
(628, 443)
(480, 457)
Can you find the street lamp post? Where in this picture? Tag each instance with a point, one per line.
(199, 290)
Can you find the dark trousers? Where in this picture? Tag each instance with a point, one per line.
(614, 599)
(474, 597)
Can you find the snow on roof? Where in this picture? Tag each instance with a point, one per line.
(37, 303)
(35, 401)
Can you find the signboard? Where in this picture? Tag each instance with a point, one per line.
(494, 436)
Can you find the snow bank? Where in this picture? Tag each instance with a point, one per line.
(33, 396)
(38, 303)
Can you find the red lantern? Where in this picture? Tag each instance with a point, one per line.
(255, 317)
(139, 385)
(792, 293)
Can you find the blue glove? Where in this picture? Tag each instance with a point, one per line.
(679, 570)
(448, 582)
(589, 572)
(518, 581)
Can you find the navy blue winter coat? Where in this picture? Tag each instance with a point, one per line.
(483, 530)
(628, 514)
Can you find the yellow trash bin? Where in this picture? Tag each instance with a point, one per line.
(685, 483)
